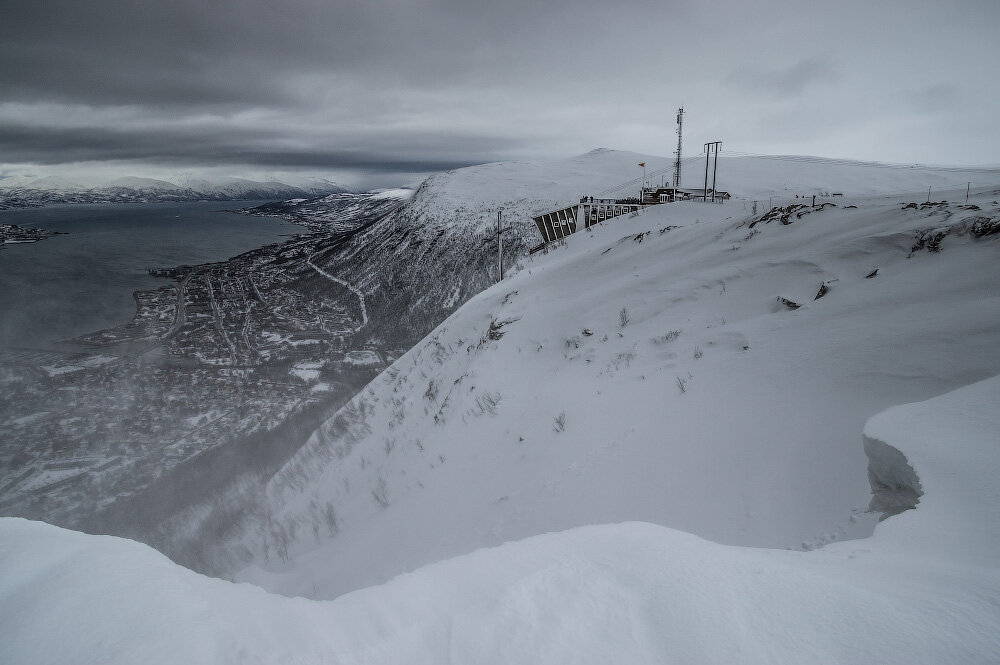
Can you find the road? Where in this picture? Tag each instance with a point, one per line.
(352, 289)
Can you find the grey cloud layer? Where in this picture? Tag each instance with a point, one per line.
(48, 145)
(411, 85)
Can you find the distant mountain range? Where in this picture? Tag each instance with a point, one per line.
(33, 192)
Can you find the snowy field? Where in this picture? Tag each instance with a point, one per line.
(648, 445)
(923, 589)
(714, 409)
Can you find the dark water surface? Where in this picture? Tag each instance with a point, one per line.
(68, 285)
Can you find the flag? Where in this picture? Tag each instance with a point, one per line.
(642, 164)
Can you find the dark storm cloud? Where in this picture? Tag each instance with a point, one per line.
(185, 51)
(335, 80)
(175, 52)
(49, 145)
(426, 84)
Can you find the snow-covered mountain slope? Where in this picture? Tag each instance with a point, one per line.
(652, 370)
(28, 191)
(438, 250)
(418, 264)
(339, 212)
(923, 589)
(784, 176)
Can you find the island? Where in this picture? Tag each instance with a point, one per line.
(12, 234)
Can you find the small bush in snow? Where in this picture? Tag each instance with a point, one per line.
(330, 517)
(381, 493)
(680, 385)
(668, 337)
(623, 317)
(559, 425)
(488, 402)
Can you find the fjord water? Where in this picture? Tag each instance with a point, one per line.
(72, 284)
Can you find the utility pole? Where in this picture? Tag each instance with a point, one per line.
(713, 146)
(704, 192)
(500, 230)
(677, 161)
(715, 168)
(968, 186)
(928, 193)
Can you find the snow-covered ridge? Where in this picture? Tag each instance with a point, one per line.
(340, 211)
(921, 590)
(694, 378)
(711, 377)
(28, 191)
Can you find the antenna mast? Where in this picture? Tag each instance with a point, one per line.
(677, 162)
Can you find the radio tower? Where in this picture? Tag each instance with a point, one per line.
(677, 162)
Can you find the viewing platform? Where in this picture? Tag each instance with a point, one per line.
(560, 223)
(557, 224)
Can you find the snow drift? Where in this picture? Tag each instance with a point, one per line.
(923, 589)
(695, 377)
(650, 370)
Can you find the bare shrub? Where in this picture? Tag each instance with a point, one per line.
(680, 385)
(623, 317)
(623, 359)
(283, 536)
(488, 402)
(667, 337)
(559, 425)
(314, 517)
(330, 517)
(381, 493)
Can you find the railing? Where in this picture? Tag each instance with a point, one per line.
(558, 224)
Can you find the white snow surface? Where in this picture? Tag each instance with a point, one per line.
(644, 376)
(456, 446)
(181, 187)
(923, 589)
(396, 193)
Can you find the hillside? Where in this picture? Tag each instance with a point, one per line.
(716, 408)
(671, 375)
(395, 275)
(415, 266)
(419, 263)
(26, 192)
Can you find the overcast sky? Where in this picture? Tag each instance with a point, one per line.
(378, 92)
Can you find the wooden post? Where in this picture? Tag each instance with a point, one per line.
(715, 168)
(705, 194)
(500, 230)
(500, 241)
